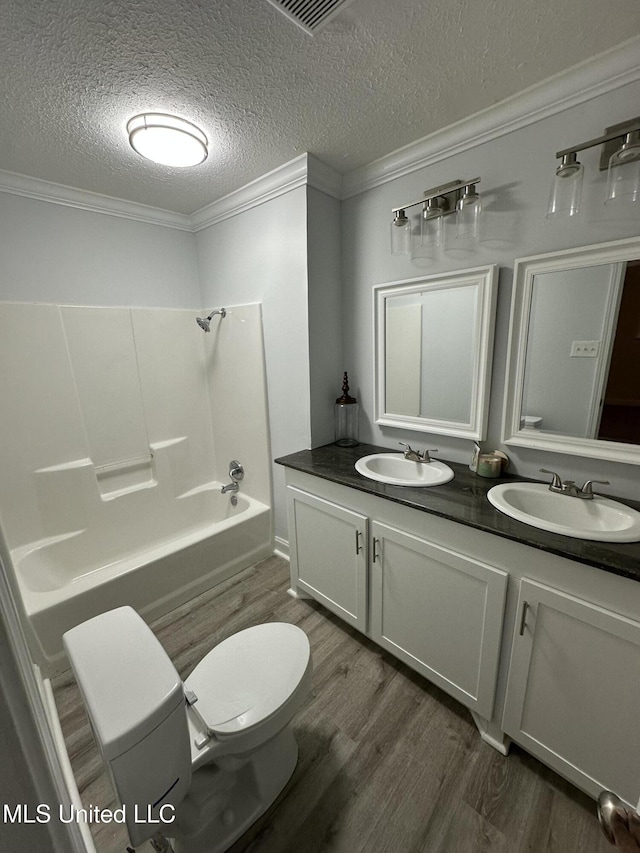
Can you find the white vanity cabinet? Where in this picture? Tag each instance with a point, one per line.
(573, 692)
(437, 610)
(328, 548)
(543, 649)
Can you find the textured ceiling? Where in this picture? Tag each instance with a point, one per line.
(379, 76)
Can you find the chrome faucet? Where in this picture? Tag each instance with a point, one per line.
(569, 487)
(236, 472)
(416, 455)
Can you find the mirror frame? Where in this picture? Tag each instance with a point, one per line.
(486, 279)
(524, 271)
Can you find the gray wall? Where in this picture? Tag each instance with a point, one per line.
(326, 363)
(516, 171)
(261, 256)
(53, 253)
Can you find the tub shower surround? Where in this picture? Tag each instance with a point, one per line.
(118, 425)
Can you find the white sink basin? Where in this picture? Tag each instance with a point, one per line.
(394, 469)
(600, 519)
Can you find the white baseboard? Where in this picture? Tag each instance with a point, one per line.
(281, 548)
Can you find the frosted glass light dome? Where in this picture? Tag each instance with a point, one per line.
(167, 139)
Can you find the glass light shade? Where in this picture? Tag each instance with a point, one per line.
(400, 234)
(431, 226)
(623, 177)
(167, 139)
(469, 208)
(567, 188)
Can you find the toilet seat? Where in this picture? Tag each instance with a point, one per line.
(251, 678)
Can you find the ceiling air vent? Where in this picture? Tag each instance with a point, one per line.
(310, 15)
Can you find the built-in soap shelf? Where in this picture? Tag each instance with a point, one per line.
(82, 496)
(165, 465)
(130, 475)
(114, 478)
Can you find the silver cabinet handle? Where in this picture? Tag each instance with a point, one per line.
(375, 554)
(358, 545)
(523, 617)
(607, 804)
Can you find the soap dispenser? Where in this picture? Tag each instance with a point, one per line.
(345, 417)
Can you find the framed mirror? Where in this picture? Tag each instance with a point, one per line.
(433, 351)
(573, 371)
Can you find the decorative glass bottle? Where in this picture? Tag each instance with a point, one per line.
(345, 417)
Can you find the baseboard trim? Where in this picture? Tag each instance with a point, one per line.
(281, 548)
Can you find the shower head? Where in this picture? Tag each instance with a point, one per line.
(205, 322)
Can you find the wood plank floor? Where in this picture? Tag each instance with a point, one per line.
(388, 762)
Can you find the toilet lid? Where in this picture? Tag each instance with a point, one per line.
(249, 676)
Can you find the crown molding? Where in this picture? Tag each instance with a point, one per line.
(324, 178)
(583, 82)
(305, 170)
(275, 183)
(301, 171)
(47, 191)
(596, 76)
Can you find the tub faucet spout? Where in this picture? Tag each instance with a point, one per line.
(236, 472)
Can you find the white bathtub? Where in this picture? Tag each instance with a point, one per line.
(68, 578)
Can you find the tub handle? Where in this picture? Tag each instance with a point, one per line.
(236, 471)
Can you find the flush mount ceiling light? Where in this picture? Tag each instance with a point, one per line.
(167, 139)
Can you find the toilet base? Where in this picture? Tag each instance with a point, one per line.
(228, 796)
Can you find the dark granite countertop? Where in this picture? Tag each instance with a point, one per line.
(464, 499)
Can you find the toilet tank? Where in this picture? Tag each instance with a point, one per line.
(135, 702)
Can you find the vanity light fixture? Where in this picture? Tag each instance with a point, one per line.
(167, 139)
(400, 233)
(620, 155)
(457, 197)
(623, 177)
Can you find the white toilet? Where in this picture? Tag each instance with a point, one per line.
(199, 761)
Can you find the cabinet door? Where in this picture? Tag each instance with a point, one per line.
(440, 612)
(573, 695)
(328, 550)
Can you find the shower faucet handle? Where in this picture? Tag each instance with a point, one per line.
(236, 471)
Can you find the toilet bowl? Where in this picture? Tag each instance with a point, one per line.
(199, 761)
